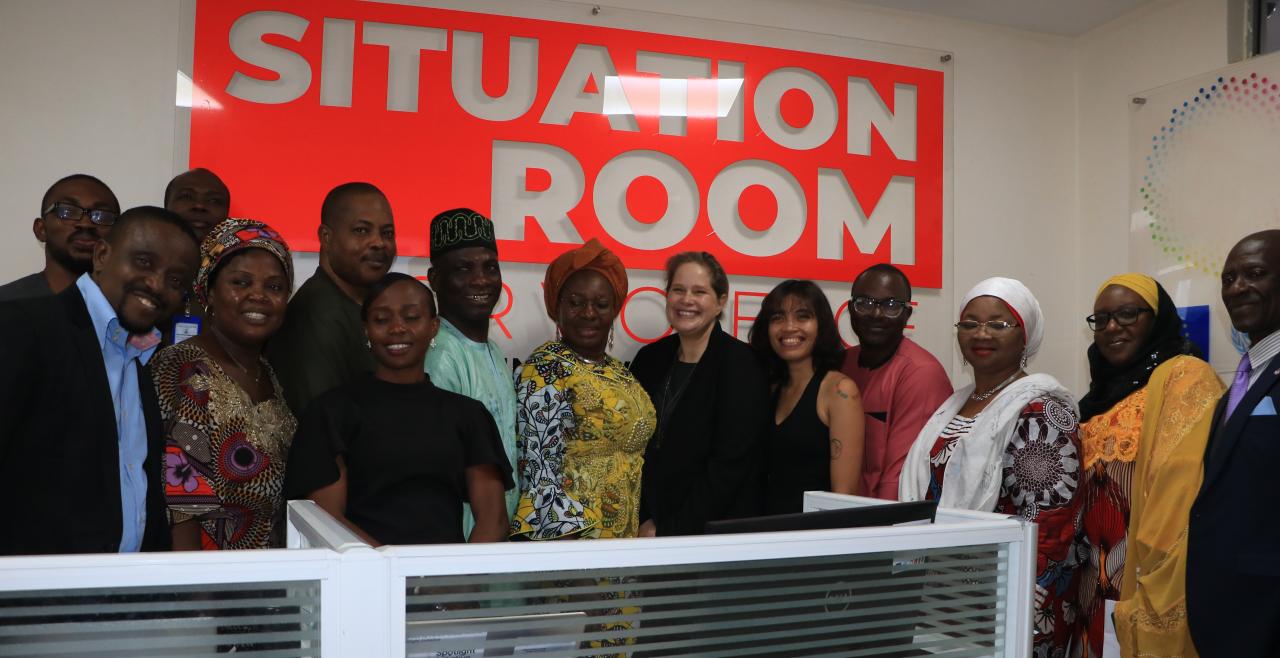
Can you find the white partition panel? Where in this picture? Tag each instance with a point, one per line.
(257, 603)
(959, 587)
(311, 527)
(1022, 559)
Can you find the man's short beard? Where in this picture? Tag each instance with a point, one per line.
(69, 262)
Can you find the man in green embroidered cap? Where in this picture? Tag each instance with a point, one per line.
(467, 280)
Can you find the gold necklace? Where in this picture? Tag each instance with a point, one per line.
(217, 336)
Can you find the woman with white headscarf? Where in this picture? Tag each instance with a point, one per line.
(1008, 444)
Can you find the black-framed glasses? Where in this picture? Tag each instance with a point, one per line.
(72, 213)
(889, 306)
(1123, 317)
(994, 327)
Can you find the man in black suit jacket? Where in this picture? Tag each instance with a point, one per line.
(1233, 549)
(62, 411)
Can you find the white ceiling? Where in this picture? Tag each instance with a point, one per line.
(1064, 17)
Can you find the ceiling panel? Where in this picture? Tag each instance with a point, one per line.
(1064, 17)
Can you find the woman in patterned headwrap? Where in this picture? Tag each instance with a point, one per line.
(582, 420)
(228, 429)
(1144, 425)
(1008, 444)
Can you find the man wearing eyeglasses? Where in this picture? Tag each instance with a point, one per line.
(76, 212)
(901, 383)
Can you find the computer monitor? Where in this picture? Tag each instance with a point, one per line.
(921, 511)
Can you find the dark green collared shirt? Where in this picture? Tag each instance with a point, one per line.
(321, 345)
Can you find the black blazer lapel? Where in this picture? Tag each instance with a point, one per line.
(99, 407)
(156, 535)
(1212, 449)
(1226, 436)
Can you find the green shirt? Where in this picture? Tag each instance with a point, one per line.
(458, 364)
(321, 345)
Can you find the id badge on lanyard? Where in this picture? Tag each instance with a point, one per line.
(185, 326)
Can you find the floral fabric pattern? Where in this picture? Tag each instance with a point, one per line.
(1042, 461)
(1110, 441)
(1040, 481)
(1113, 435)
(581, 431)
(224, 456)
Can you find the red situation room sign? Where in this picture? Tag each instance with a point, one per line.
(782, 163)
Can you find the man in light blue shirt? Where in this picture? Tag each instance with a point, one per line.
(87, 348)
(122, 353)
(467, 281)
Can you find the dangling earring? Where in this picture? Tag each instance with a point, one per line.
(610, 338)
(432, 344)
(1024, 359)
(558, 335)
(964, 362)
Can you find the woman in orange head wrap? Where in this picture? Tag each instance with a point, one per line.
(583, 420)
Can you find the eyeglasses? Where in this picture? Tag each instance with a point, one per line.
(72, 213)
(994, 327)
(889, 307)
(1123, 317)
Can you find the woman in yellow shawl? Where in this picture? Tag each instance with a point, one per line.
(1144, 425)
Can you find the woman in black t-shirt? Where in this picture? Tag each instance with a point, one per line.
(392, 456)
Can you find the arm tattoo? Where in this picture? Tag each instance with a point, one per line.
(842, 394)
(836, 447)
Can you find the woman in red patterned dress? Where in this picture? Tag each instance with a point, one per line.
(227, 426)
(1008, 444)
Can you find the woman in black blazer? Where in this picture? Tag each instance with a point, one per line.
(712, 401)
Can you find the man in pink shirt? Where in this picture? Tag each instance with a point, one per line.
(901, 383)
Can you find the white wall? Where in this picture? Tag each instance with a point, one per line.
(84, 87)
(1158, 44)
(1039, 125)
(1013, 137)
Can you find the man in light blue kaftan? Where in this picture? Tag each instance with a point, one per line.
(467, 281)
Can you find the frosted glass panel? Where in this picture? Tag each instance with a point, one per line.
(1202, 176)
(256, 619)
(933, 602)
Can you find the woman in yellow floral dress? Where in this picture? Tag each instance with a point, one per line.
(1145, 422)
(583, 420)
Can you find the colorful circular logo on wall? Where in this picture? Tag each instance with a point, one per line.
(1209, 176)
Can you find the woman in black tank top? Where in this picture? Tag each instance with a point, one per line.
(815, 443)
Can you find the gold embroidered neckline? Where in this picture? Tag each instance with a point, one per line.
(1113, 435)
